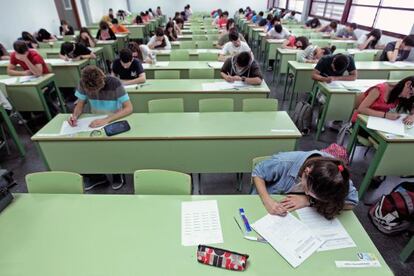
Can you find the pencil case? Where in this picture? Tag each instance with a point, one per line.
(221, 258)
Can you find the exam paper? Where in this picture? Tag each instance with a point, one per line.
(331, 232)
(396, 127)
(291, 238)
(4, 62)
(223, 85)
(56, 61)
(215, 64)
(200, 223)
(400, 64)
(27, 79)
(162, 63)
(8, 80)
(83, 125)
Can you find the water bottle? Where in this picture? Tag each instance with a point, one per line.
(154, 58)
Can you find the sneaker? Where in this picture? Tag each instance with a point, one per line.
(117, 181)
(91, 183)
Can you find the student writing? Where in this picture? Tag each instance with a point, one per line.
(234, 46)
(75, 51)
(333, 67)
(127, 68)
(241, 67)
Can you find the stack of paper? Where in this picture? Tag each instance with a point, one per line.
(215, 64)
(200, 223)
(400, 64)
(162, 64)
(396, 127)
(9, 80)
(82, 126)
(331, 232)
(361, 85)
(215, 86)
(291, 238)
(56, 61)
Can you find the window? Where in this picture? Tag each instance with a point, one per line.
(281, 4)
(296, 5)
(393, 16)
(328, 9)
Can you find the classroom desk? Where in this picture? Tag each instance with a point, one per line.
(303, 72)
(29, 96)
(191, 91)
(184, 68)
(176, 44)
(203, 31)
(339, 102)
(137, 31)
(164, 55)
(3, 66)
(222, 142)
(122, 41)
(67, 73)
(103, 235)
(187, 37)
(110, 47)
(393, 156)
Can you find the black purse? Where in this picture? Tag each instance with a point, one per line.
(5, 196)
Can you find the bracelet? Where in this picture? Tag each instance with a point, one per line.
(385, 114)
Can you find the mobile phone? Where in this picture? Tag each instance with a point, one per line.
(117, 128)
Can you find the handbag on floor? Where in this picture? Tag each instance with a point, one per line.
(302, 117)
(5, 195)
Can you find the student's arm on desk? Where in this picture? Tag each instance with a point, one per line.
(141, 79)
(393, 55)
(271, 205)
(316, 75)
(351, 77)
(254, 81)
(364, 106)
(72, 120)
(124, 111)
(409, 120)
(11, 71)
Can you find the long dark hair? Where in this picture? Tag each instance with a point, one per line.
(375, 33)
(304, 40)
(79, 37)
(26, 36)
(404, 105)
(229, 22)
(328, 180)
(134, 47)
(172, 36)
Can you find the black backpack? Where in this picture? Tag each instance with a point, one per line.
(302, 117)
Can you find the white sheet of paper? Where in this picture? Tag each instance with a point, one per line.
(215, 64)
(291, 238)
(27, 79)
(215, 51)
(396, 127)
(4, 62)
(146, 65)
(400, 64)
(361, 85)
(162, 51)
(357, 264)
(130, 86)
(56, 61)
(335, 85)
(162, 63)
(200, 223)
(83, 125)
(8, 80)
(223, 85)
(331, 232)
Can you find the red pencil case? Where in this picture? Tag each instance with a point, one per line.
(221, 258)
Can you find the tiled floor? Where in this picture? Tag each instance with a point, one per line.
(389, 247)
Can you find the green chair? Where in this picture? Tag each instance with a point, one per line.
(179, 55)
(166, 105)
(161, 182)
(207, 57)
(167, 74)
(260, 105)
(205, 44)
(398, 75)
(216, 105)
(364, 56)
(199, 37)
(187, 45)
(54, 183)
(207, 73)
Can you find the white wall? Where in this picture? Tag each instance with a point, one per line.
(23, 15)
(99, 8)
(169, 7)
(81, 12)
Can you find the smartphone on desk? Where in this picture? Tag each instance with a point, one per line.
(117, 128)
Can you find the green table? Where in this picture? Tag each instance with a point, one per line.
(67, 73)
(184, 67)
(3, 67)
(188, 37)
(122, 40)
(103, 235)
(393, 156)
(222, 142)
(137, 31)
(339, 103)
(303, 72)
(177, 44)
(29, 96)
(164, 55)
(191, 91)
(110, 48)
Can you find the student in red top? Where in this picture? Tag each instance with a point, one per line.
(31, 62)
(222, 21)
(386, 101)
(300, 42)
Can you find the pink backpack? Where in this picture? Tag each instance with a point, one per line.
(337, 151)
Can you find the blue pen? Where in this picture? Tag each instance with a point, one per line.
(245, 221)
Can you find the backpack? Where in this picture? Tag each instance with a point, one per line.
(302, 117)
(337, 151)
(394, 212)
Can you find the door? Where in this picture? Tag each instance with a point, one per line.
(67, 10)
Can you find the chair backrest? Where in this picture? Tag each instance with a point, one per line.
(216, 105)
(207, 57)
(167, 74)
(256, 161)
(187, 45)
(199, 37)
(364, 56)
(161, 182)
(54, 183)
(260, 104)
(166, 105)
(179, 55)
(205, 45)
(398, 75)
(207, 73)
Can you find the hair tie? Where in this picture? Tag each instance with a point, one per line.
(340, 168)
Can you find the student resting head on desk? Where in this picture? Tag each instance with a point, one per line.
(312, 23)
(44, 36)
(29, 39)
(278, 32)
(333, 67)
(127, 68)
(30, 60)
(85, 38)
(370, 40)
(317, 179)
(159, 41)
(313, 53)
(386, 101)
(170, 31)
(65, 28)
(269, 23)
(347, 32)
(141, 52)
(178, 25)
(105, 32)
(242, 67)
(300, 42)
(75, 51)
(328, 28)
(138, 20)
(398, 50)
(234, 46)
(4, 55)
